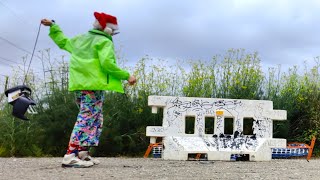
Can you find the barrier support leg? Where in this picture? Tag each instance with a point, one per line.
(153, 141)
(311, 148)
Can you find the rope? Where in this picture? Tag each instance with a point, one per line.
(34, 48)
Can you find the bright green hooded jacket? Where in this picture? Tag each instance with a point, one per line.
(93, 63)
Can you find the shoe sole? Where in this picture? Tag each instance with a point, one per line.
(91, 161)
(74, 166)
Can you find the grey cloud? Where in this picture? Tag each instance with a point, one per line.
(283, 32)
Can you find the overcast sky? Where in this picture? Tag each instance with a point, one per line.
(283, 32)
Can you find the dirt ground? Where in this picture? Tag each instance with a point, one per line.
(140, 168)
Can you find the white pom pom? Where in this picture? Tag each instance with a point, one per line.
(96, 25)
(108, 30)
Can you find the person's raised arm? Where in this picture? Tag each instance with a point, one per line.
(57, 35)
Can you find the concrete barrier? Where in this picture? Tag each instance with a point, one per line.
(210, 134)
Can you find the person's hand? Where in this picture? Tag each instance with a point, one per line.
(132, 80)
(46, 22)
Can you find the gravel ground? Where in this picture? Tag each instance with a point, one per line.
(139, 168)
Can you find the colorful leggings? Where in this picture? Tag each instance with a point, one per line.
(88, 127)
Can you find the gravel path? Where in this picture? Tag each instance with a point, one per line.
(139, 168)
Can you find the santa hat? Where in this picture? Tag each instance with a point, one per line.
(106, 21)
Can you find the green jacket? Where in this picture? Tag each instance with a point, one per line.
(93, 63)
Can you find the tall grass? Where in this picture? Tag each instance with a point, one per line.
(236, 74)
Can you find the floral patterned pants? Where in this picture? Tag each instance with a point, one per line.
(88, 127)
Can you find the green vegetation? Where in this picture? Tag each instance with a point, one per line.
(237, 74)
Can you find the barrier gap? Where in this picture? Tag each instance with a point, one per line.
(228, 125)
(197, 157)
(209, 125)
(247, 126)
(190, 124)
(158, 118)
(240, 157)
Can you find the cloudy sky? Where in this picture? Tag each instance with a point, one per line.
(284, 32)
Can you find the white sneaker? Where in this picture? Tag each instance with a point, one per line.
(70, 160)
(84, 155)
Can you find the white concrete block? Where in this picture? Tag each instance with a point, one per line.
(218, 146)
(154, 110)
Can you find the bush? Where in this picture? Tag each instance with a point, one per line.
(237, 74)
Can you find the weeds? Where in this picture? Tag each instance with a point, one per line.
(237, 74)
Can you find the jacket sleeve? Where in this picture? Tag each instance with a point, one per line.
(108, 62)
(59, 38)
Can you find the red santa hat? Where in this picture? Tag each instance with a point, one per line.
(106, 21)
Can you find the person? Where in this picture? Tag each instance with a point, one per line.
(92, 70)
